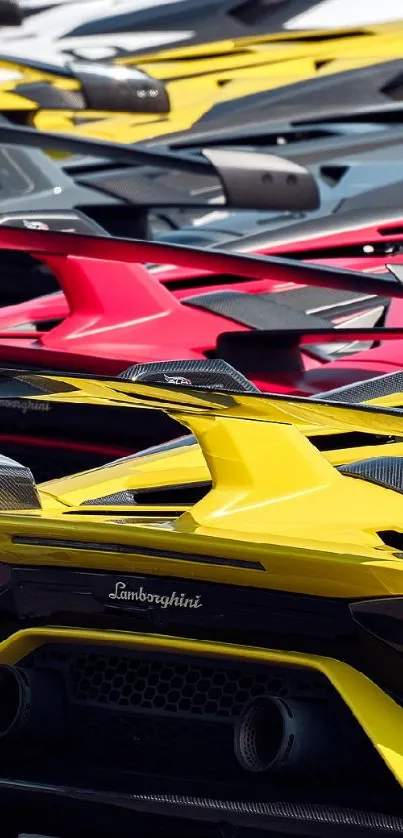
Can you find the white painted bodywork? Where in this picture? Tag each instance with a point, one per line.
(50, 35)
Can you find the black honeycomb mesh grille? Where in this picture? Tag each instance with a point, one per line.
(170, 685)
(167, 687)
(141, 718)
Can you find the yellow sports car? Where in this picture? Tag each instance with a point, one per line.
(171, 90)
(226, 647)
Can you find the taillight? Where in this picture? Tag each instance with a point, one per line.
(383, 618)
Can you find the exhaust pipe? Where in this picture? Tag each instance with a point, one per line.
(32, 705)
(276, 734)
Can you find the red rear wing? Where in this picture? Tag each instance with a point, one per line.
(109, 292)
(47, 244)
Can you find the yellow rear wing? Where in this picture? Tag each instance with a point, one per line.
(255, 445)
(186, 403)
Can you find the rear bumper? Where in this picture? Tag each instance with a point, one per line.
(380, 717)
(372, 710)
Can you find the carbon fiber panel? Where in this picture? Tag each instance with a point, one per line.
(129, 186)
(384, 471)
(313, 300)
(124, 498)
(112, 88)
(373, 388)
(17, 386)
(255, 311)
(17, 486)
(47, 96)
(210, 375)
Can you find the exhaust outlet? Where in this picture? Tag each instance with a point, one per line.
(276, 734)
(31, 705)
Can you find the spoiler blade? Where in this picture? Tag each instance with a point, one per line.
(250, 180)
(255, 267)
(133, 155)
(187, 403)
(274, 430)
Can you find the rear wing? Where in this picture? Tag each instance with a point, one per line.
(128, 251)
(246, 349)
(188, 404)
(240, 435)
(97, 273)
(249, 179)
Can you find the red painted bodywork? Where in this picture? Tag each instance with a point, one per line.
(114, 312)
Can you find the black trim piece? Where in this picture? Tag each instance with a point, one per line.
(230, 613)
(140, 551)
(159, 512)
(45, 595)
(297, 818)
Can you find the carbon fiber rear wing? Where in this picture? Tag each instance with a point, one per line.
(250, 180)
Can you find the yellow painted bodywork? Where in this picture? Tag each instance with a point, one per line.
(275, 499)
(378, 714)
(197, 78)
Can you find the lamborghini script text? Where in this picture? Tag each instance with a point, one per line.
(173, 600)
